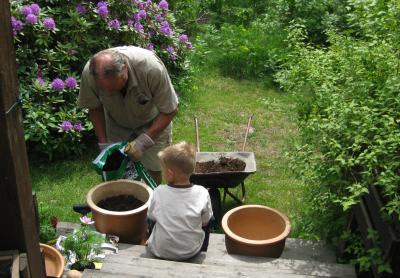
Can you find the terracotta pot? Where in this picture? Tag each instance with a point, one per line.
(53, 260)
(254, 230)
(128, 225)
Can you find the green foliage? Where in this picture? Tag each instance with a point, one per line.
(316, 15)
(54, 126)
(244, 53)
(236, 12)
(187, 14)
(349, 114)
(47, 230)
(363, 257)
(84, 243)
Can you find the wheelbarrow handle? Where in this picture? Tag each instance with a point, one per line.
(247, 132)
(196, 125)
(81, 208)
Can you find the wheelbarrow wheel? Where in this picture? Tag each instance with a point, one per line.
(216, 206)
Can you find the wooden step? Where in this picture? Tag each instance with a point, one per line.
(146, 267)
(132, 255)
(297, 249)
(301, 258)
(216, 258)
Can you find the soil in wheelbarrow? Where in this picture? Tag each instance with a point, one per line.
(120, 203)
(223, 164)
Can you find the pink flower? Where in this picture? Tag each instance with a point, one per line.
(114, 24)
(183, 38)
(150, 46)
(102, 11)
(86, 220)
(58, 84)
(35, 9)
(66, 126)
(78, 127)
(25, 10)
(70, 82)
(31, 19)
(40, 81)
(49, 23)
(163, 5)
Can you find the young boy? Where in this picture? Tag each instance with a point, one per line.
(179, 209)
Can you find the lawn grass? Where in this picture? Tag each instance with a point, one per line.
(62, 184)
(222, 106)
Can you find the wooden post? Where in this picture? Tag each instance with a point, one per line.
(18, 228)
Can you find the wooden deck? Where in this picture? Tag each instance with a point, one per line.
(300, 259)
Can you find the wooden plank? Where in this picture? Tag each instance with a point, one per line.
(64, 228)
(164, 268)
(15, 266)
(291, 262)
(387, 235)
(23, 266)
(16, 205)
(97, 274)
(217, 256)
(11, 256)
(129, 251)
(297, 249)
(298, 267)
(240, 263)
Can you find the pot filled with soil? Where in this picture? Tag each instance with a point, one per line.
(119, 208)
(255, 230)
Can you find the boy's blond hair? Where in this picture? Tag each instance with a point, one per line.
(180, 156)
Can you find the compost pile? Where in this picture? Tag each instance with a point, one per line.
(120, 203)
(223, 164)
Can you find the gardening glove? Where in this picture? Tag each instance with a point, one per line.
(102, 146)
(135, 149)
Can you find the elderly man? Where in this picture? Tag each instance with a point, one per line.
(130, 98)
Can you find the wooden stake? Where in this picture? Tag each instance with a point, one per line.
(16, 206)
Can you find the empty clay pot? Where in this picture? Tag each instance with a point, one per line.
(53, 260)
(255, 230)
(128, 225)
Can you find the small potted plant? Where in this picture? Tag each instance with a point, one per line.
(82, 245)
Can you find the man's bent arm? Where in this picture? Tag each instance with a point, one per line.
(160, 123)
(96, 116)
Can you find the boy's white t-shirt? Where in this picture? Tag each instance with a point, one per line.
(179, 214)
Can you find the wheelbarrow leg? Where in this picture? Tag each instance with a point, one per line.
(216, 205)
(241, 200)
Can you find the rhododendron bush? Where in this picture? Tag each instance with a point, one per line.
(53, 41)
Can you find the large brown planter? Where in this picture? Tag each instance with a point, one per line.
(53, 260)
(255, 230)
(128, 225)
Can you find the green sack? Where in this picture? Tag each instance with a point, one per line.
(111, 162)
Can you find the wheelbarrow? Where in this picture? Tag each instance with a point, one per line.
(225, 180)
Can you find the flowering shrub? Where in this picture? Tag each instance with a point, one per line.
(54, 39)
